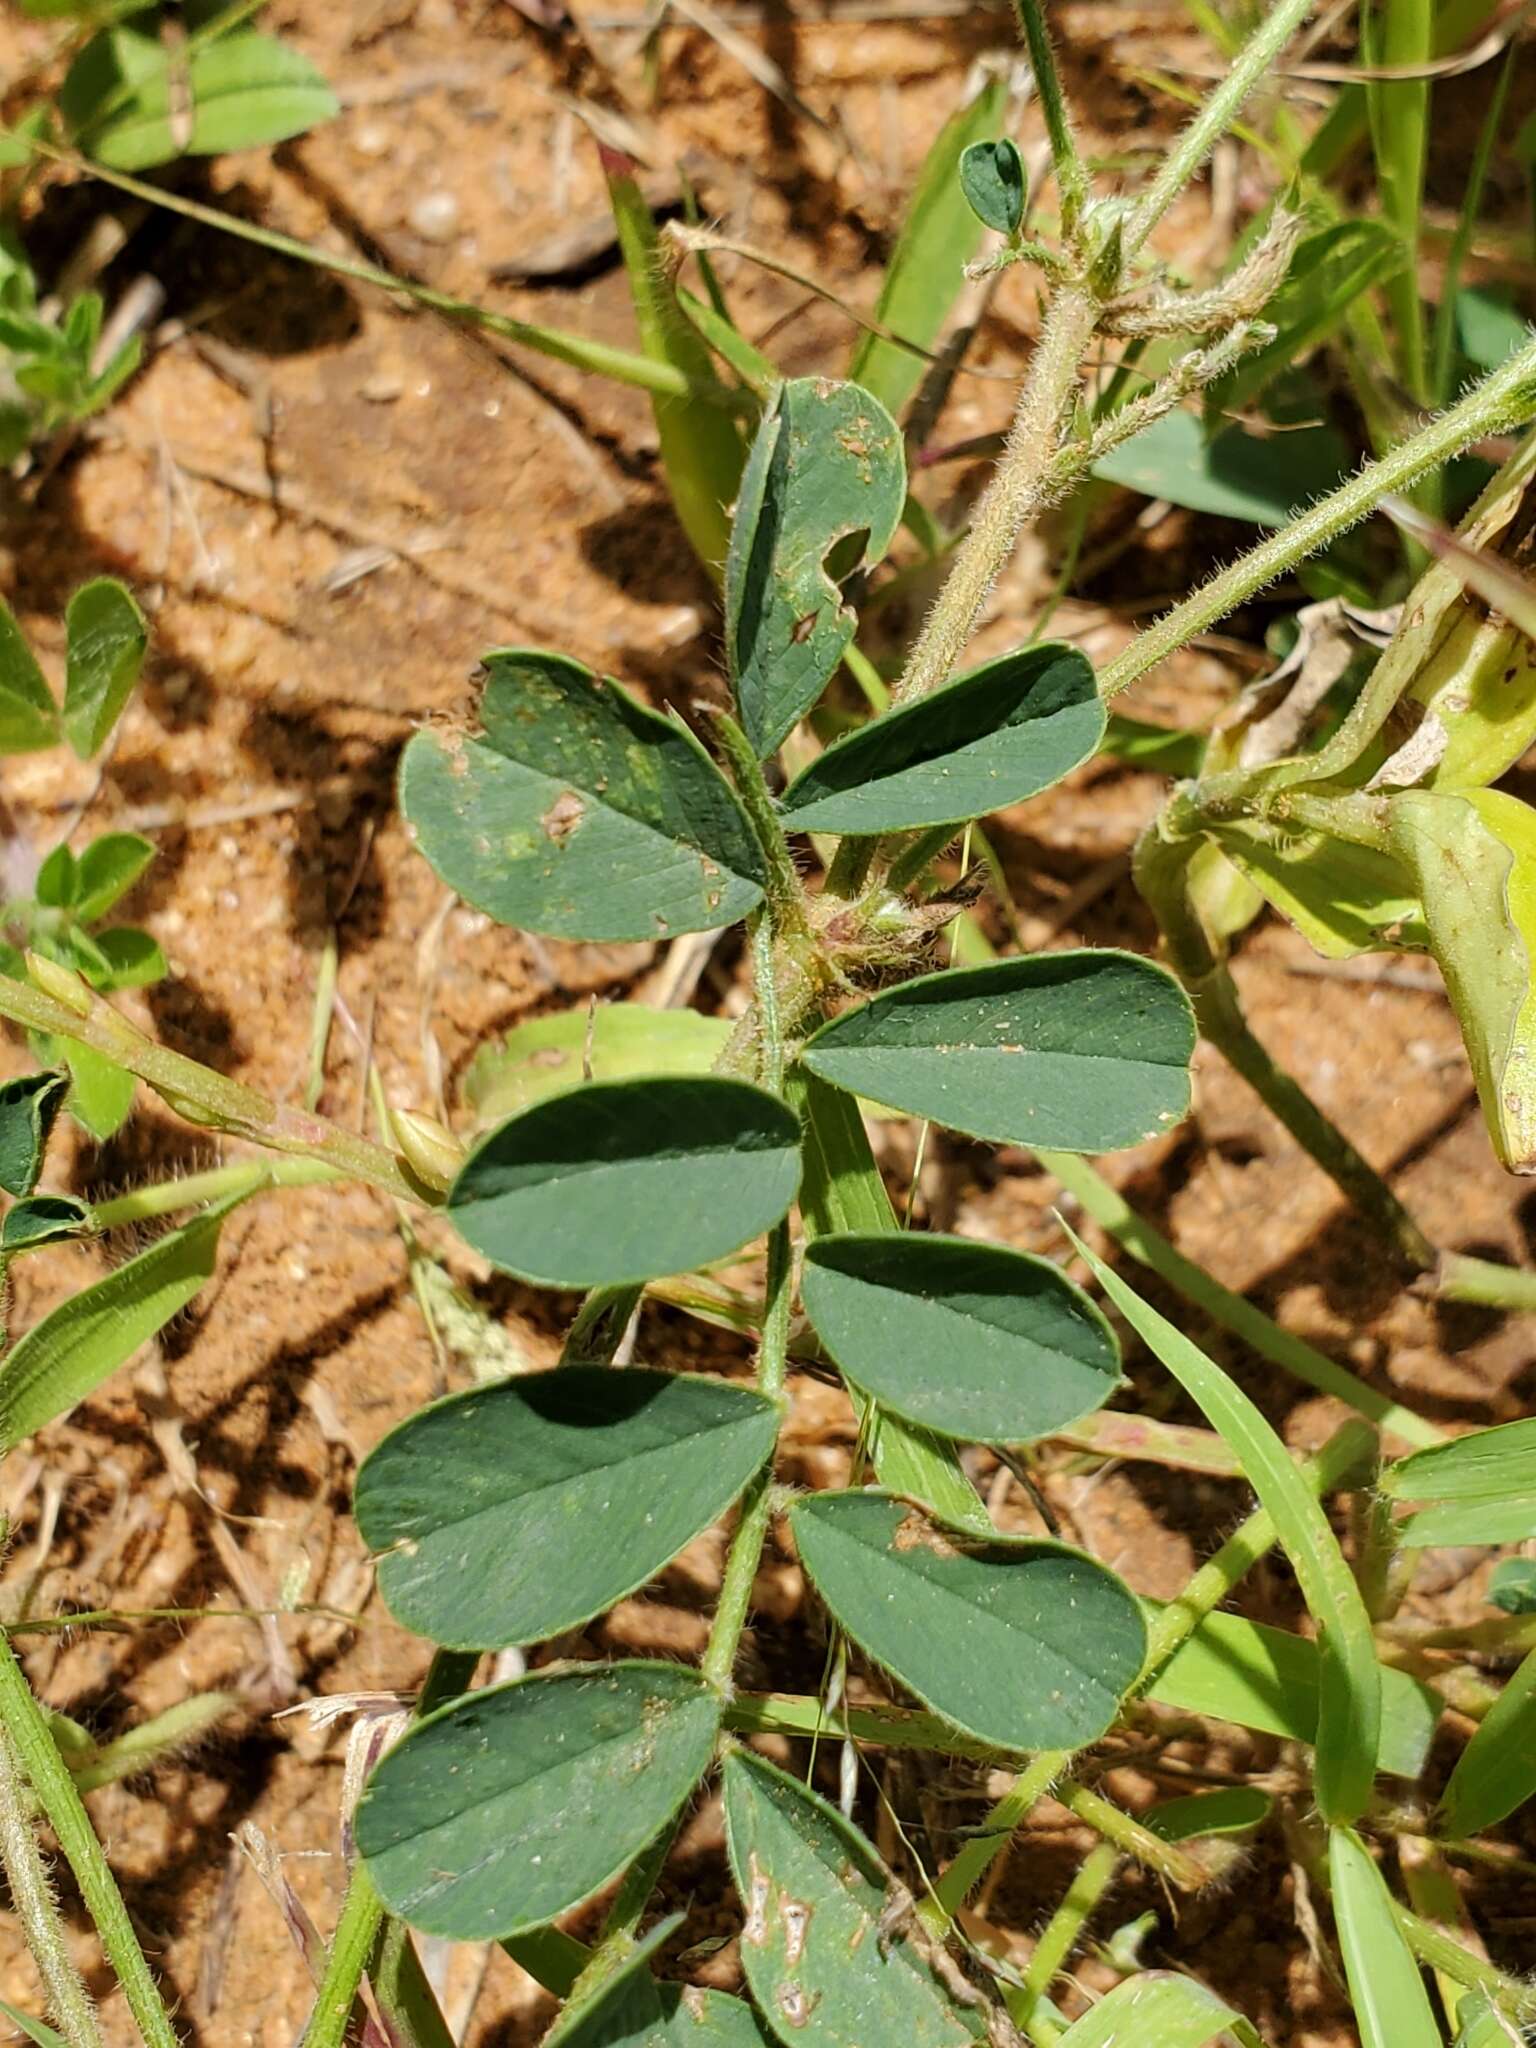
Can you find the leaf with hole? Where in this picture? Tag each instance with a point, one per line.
(624, 1181)
(1075, 1052)
(29, 718)
(511, 1512)
(1027, 1644)
(993, 737)
(511, 1804)
(926, 270)
(63, 1359)
(1157, 2009)
(29, 1108)
(1483, 1486)
(43, 1219)
(1391, 2005)
(1349, 1707)
(992, 178)
(104, 651)
(617, 1042)
(971, 1340)
(821, 496)
(579, 813)
(120, 98)
(814, 1949)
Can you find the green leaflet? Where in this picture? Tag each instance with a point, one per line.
(842, 1191)
(1235, 474)
(811, 1949)
(514, 1511)
(1512, 1585)
(995, 187)
(578, 812)
(624, 1181)
(102, 1094)
(29, 1107)
(1235, 1810)
(1472, 859)
(1480, 2024)
(1075, 1052)
(617, 1042)
(245, 89)
(106, 871)
(1496, 1772)
(1266, 1678)
(971, 1340)
(508, 1805)
(701, 450)
(630, 2009)
(995, 736)
(64, 1358)
(939, 236)
(1391, 2005)
(104, 651)
(1027, 1644)
(29, 718)
(1343, 898)
(1349, 1705)
(43, 1219)
(1156, 2009)
(826, 467)
(1485, 1483)
(1479, 686)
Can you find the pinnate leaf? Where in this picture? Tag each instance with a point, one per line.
(513, 1511)
(579, 813)
(826, 468)
(1030, 1645)
(1073, 1052)
(971, 1340)
(993, 737)
(627, 1180)
(511, 1804)
(814, 1892)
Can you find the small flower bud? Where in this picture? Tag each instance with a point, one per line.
(429, 1149)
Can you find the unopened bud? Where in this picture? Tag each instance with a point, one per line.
(62, 983)
(428, 1148)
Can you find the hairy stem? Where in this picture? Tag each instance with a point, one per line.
(198, 1190)
(36, 1907)
(1063, 1931)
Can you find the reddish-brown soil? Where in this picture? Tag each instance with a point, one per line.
(289, 429)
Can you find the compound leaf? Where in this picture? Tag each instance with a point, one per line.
(29, 718)
(1028, 1644)
(1391, 2005)
(812, 1947)
(993, 737)
(624, 1181)
(29, 1108)
(579, 813)
(1071, 1052)
(974, 1341)
(825, 468)
(511, 1804)
(104, 651)
(511, 1512)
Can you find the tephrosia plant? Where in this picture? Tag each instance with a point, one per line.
(629, 1151)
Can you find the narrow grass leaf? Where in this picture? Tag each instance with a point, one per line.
(993, 737)
(939, 236)
(1265, 1678)
(579, 813)
(104, 651)
(1030, 1645)
(1156, 2009)
(1496, 1772)
(29, 1108)
(29, 718)
(1391, 2004)
(1235, 474)
(616, 1042)
(63, 1359)
(35, 2030)
(971, 1340)
(822, 494)
(624, 1181)
(813, 1948)
(1235, 1810)
(1349, 1706)
(1076, 1052)
(511, 1804)
(511, 1512)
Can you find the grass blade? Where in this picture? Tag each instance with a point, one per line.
(1391, 2004)
(1496, 1772)
(1349, 1708)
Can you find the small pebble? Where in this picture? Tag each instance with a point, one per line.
(435, 216)
(383, 388)
(372, 139)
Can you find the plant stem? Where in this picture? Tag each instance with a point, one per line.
(26, 1727)
(32, 1896)
(1216, 114)
(1071, 175)
(950, 1891)
(405, 1996)
(1134, 1234)
(1502, 402)
(1091, 1880)
(203, 1097)
(1131, 1838)
(200, 1189)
